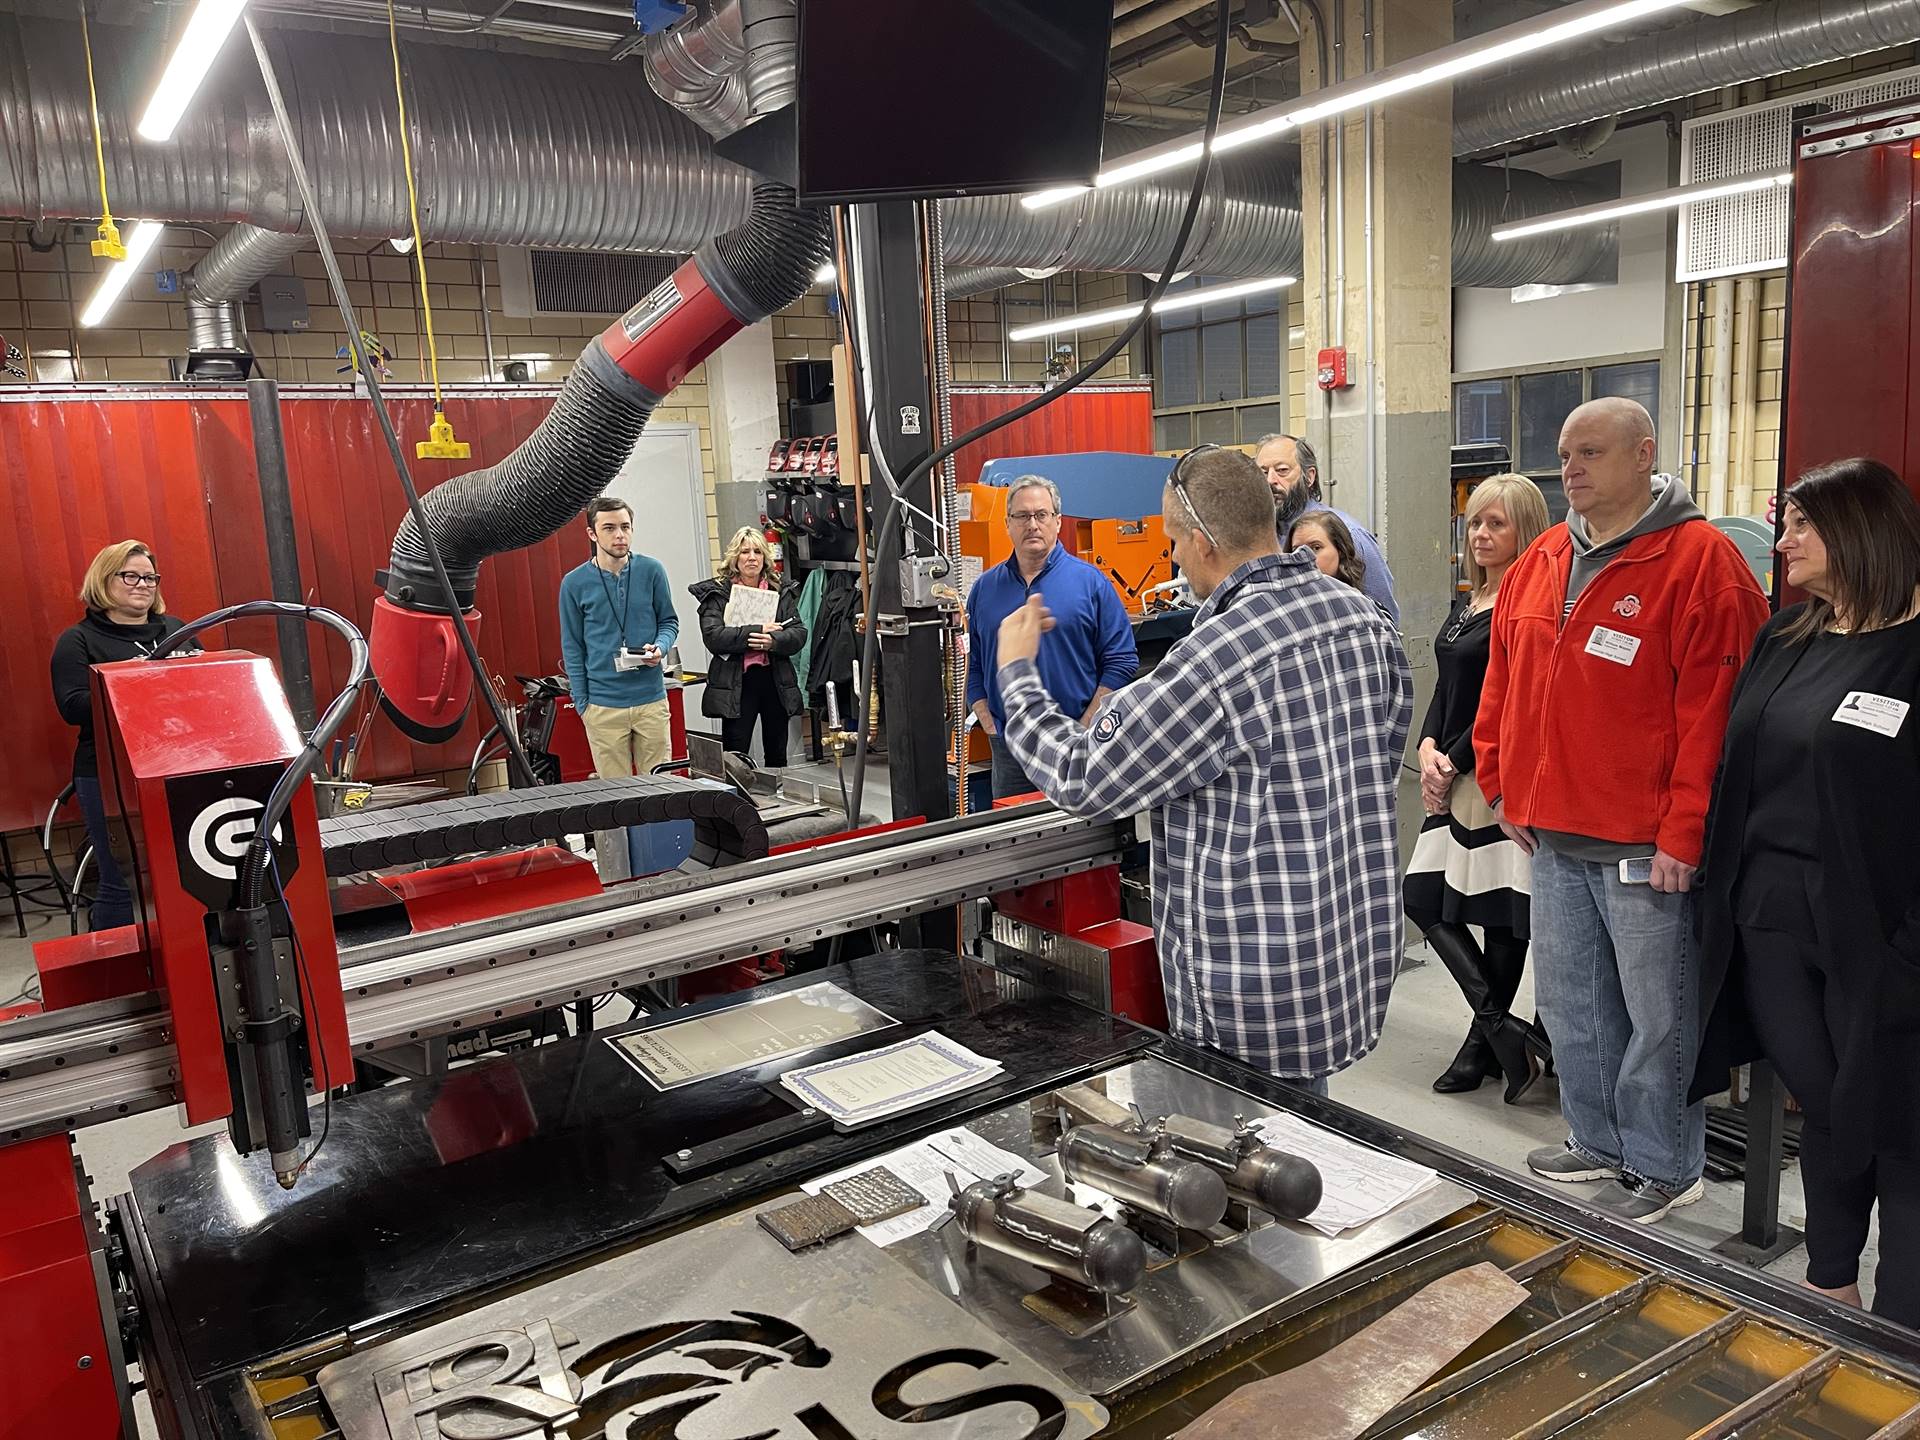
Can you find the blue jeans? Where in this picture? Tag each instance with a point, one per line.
(1008, 777)
(1615, 982)
(112, 901)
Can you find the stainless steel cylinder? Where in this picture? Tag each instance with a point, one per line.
(1257, 1175)
(1077, 1244)
(1144, 1172)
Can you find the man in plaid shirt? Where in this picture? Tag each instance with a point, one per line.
(1267, 745)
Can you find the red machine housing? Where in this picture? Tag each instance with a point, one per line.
(196, 784)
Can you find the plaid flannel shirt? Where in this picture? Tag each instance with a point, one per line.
(1267, 744)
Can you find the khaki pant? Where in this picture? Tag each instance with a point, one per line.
(628, 740)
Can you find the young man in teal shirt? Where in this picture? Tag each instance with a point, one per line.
(616, 627)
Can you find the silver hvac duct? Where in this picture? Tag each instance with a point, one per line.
(979, 280)
(531, 151)
(515, 150)
(239, 258)
(699, 67)
(1702, 54)
(1484, 200)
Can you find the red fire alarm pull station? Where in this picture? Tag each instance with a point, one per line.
(1333, 369)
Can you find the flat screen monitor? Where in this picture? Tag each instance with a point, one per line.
(924, 98)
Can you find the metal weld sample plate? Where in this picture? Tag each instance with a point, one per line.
(716, 1332)
(875, 1195)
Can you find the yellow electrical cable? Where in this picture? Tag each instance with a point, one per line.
(107, 237)
(440, 445)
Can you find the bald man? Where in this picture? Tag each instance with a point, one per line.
(1616, 639)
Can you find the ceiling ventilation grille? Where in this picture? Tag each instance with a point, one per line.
(1739, 234)
(537, 282)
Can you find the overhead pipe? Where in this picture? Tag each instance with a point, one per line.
(1700, 54)
(531, 151)
(1746, 354)
(699, 67)
(1720, 399)
(733, 281)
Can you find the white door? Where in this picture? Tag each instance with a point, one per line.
(663, 483)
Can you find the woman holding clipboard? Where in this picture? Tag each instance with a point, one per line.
(749, 624)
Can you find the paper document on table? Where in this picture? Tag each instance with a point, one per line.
(741, 1036)
(858, 1088)
(925, 1165)
(1360, 1184)
(750, 605)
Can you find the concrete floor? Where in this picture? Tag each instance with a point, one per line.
(1425, 1024)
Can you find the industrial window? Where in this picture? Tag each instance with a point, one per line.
(1219, 370)
(1524, 412)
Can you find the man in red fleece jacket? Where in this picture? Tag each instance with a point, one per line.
(1616, 640)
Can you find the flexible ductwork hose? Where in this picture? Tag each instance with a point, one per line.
(735, 280)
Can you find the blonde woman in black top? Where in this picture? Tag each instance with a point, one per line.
(1465, 871)
(1810, 896)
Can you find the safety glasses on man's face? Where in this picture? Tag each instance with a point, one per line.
(1178, 481)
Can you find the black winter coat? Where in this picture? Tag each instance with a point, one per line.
(728, 646)
(1862, 806)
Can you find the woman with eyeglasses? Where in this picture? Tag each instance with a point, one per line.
(1809, 919)
(125, 619)
(1465, 872)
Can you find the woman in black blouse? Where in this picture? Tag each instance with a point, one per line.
(1465, 872)
(1810, 889)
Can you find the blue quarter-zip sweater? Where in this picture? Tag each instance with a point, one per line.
(599, 612)
(1090, 645)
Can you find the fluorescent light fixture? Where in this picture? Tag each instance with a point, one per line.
(402, 243)
(139, 245)
(825, 275)
(1449, 62)
(1186, 300)
(198, 47)
(1647, 204)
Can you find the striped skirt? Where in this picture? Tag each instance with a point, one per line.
(1465, 871)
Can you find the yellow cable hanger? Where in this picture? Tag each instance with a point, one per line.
(440, 444)
(107, 237)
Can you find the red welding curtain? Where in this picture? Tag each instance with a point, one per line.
(175, 468)
(1098, 416)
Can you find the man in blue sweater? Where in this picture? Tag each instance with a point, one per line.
(1090, 653)
(616, 627)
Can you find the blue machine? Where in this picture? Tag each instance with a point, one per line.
(1094, 485)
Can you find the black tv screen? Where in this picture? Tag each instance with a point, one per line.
(923, 98)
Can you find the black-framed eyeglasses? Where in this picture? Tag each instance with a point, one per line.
(1179, 484)
(133, 579)
(1029, 517)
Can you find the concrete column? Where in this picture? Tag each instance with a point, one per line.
(744, 405)
(1379, 282)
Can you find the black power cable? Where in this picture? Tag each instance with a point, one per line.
(515, 753)
(869, 650)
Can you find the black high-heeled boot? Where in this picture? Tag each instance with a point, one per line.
(1473, 1064)
(1512, 1043)
(1506, 962)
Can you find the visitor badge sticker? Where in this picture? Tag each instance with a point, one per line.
(1881, 714)
(1613, 645)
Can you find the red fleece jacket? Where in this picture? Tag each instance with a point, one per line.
(1609, 725)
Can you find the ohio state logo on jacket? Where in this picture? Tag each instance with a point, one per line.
(1627, 606)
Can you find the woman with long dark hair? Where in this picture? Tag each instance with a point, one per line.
(1465, 872)
(1810, 904)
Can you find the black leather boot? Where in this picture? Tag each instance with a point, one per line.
(1516, 1048)
(1473, 1064)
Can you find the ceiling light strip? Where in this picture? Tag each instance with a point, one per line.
(1185, 300)
(1449, 62)
(1608, 211)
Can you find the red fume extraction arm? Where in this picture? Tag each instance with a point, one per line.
(735, 280)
